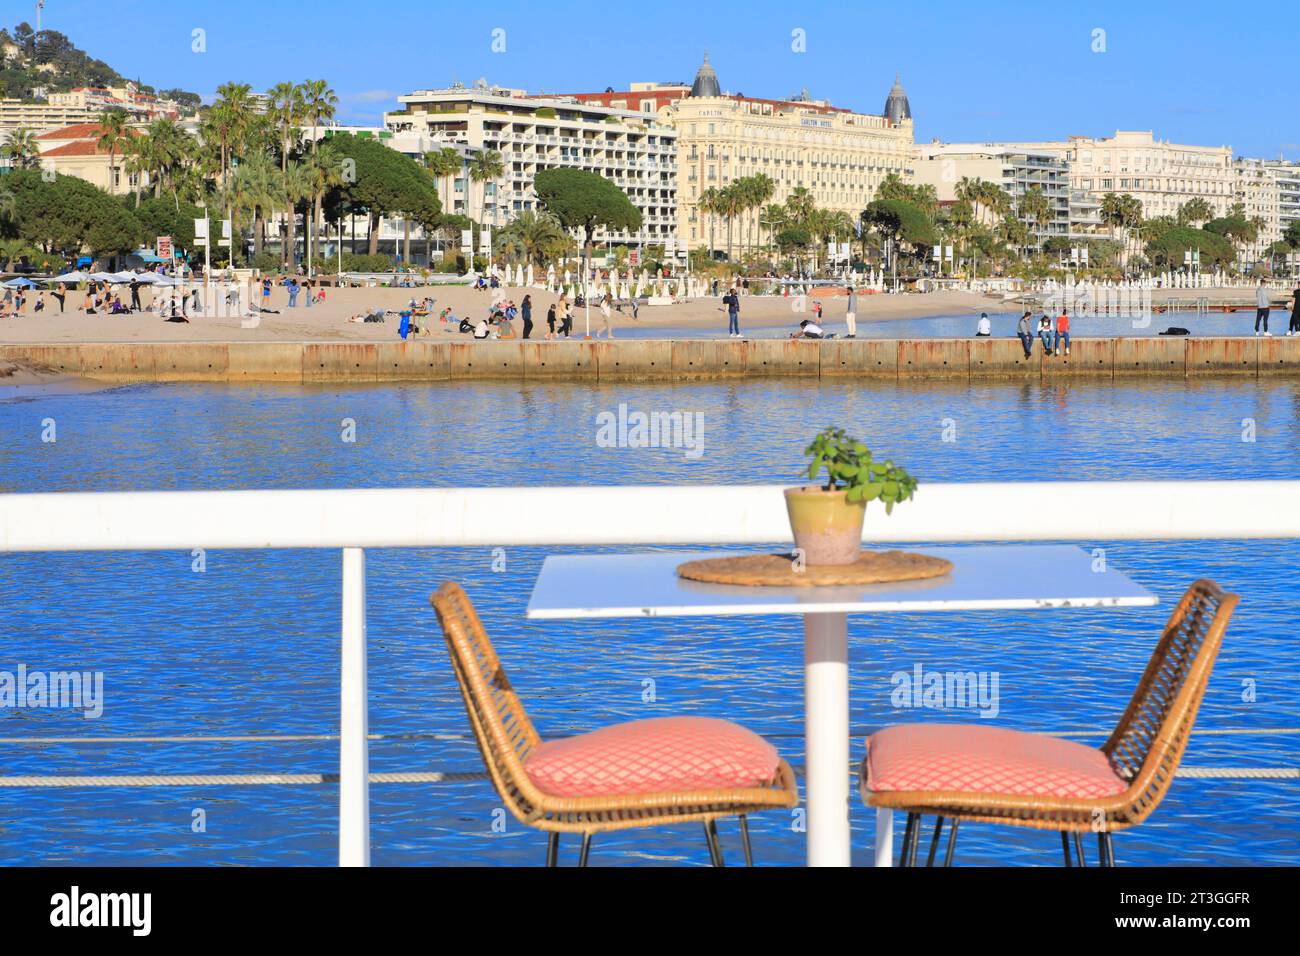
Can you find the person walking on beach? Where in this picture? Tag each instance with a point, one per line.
(550, 322)
(526, 313)
(606, 305)
(1063, 331)
(1025, 332)
(566, 317)
(1262, 303)
(851, 314)
(732, 301)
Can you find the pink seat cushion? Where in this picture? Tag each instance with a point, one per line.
(653, 756)
(976, 759)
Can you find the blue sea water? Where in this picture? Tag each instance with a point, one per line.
(250, 646)
(1003, 324)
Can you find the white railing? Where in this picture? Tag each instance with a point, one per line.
(353, 520)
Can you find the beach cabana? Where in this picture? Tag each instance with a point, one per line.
(22, 282)
(72, 278)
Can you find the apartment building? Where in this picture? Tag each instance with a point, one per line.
(1017, 170)
(39, 116)
(129, 98)
(1287, 177)
(1161, 174)
(1258, 191)
(840, 156)
(636, 151)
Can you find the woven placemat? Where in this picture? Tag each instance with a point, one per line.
(778, 570)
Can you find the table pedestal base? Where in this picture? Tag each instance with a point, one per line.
(826, 738)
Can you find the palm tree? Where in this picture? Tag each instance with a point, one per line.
(324, 172)
(285, 110)
(800, 205)
(228, 122)
(486, 165)
(254, 188)
(710, 204)
(761, 188)
(442, 163)
(730, 204)
(114, 136)
(534, 235)
(1035, 207)
(23, 148)
(294, 185)
(318, 105)
(160, 153)
(1195, 211)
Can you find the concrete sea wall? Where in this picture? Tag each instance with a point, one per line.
(663, 360)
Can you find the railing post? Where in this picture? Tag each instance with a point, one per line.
(354, 760)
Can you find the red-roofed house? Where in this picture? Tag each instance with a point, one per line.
(75, 151)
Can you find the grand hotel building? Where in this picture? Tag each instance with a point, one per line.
(840, 156)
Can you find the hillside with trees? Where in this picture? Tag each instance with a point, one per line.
(31, 60)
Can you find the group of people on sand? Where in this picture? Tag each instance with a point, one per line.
(102, 298)
(294, 286)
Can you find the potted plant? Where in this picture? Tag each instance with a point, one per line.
(827, 519)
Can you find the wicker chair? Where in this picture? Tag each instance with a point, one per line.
(507, 741)
(960, 772)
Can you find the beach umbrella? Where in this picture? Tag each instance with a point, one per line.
(530, 274)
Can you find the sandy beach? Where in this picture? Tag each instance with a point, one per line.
(328, 321)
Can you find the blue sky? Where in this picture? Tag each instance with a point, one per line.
(1195, 72)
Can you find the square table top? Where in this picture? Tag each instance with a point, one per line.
(984, 577)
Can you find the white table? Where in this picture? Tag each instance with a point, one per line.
(1008, 577)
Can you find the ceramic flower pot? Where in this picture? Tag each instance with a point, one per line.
(827, 526)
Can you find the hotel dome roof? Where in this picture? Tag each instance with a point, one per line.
(897, 108)
(706, 81)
